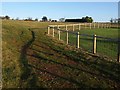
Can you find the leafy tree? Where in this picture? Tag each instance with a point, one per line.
(36, 19)
(84, 19)
(111, 20)
(30, 19)
(44, 19)
(7, 17)
(88, 19)
(50, 19)
(62, 19)
(118, 20)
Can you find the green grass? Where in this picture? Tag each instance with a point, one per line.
(105, 32)
(31, 59)
(107, 48)
(104, 48)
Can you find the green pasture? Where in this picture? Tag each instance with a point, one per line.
(105, 47)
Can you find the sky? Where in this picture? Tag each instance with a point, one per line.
(99, 11)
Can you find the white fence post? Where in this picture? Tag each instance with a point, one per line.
(66, 27)
(78, 40)
(67, 37)
(58, 28)
(53, 31)
(94, 44)
(48, 30)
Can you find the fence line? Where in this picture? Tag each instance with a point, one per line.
(86, 25)
(78, 36)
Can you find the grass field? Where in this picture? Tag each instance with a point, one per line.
(31, 59)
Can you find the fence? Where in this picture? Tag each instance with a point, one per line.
(91, 43)
(80, 26)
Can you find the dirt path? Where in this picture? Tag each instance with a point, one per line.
(26, 70)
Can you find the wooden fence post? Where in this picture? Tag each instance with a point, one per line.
(53, 31)
(79, 26)
(67, 37)
(78, 40)
(58, 34)
(58, 28)
(94, 44)
(48, 30)
(66, 27)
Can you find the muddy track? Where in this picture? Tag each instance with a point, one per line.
(25, 69)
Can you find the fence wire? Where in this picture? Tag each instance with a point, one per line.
(86, 42)
(106, 47)
(72, 38)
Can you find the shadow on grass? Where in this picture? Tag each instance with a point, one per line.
(25, 69)
(80, 84)
(69, 66)
(107, 69)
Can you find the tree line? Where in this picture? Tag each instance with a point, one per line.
(45, 19)
(84, 19)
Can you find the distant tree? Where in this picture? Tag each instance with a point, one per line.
(84, 19)
(36, 19)
(88, 19)
(7, 17)
(54, 21)
(25, 19)
(50, 19)
(111, 21)
(118, 20)
(91, 19)
(30, 19)
(44, 19)
(62, 19)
